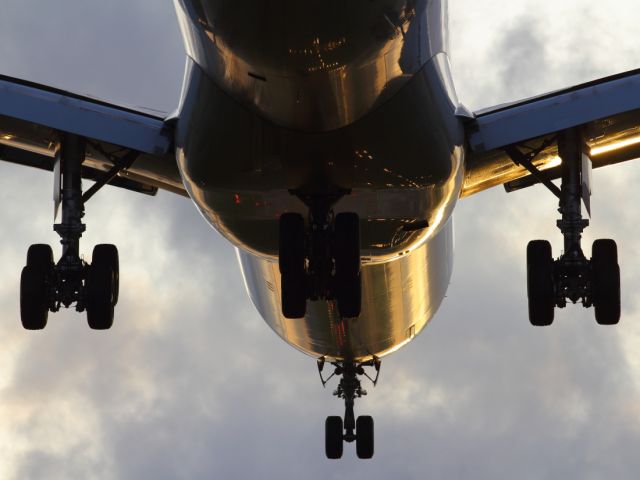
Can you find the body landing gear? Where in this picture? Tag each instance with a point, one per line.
(349, 429)
(322, 263)
(572, 277)
(47, 286)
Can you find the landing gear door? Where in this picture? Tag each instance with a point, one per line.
(586, 182)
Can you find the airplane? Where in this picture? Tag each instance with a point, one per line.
(330, 148)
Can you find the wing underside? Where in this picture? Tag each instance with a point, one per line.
(607, 110)
(136, 147)
(33, 116)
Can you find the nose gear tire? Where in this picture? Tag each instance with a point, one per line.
(364, 436)
(333, 437)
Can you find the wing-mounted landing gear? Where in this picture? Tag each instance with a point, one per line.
(48, 286)
(349, 429)
(572, 277)
(321, 262)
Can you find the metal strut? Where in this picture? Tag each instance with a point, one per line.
(119, 164)
(573, 268)
(526, 160)
(70, 269)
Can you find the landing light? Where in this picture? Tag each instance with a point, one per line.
(615, 146)
(554, 162)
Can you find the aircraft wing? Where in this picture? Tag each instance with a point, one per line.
(125, 148)
(608, 110)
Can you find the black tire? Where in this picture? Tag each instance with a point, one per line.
(291, 260)
(346, 253)
(606, 281)
(40, 256)
(540, 284)
(346, 244)
(107, 254)
(348, 293)
(291, 247)
(333, 437)
(294, 295)
(364, 436)
(34, 298)
(99, 287)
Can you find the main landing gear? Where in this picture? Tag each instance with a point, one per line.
(572, 277)
(323, 262)
(349, 429)
(48, 286)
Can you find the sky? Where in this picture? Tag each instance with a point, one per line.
(191, 383)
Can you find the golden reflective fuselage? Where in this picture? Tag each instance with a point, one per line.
(315, 96)
(399, 298)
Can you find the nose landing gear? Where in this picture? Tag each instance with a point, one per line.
(360, 430)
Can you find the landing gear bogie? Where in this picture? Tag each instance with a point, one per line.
(550, 283)
(320, 262)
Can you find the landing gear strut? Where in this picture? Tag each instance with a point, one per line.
(46, 286)
(323, 262)
(572, 277)
(349, 429)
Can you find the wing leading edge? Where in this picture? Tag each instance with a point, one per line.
(608, 110)
(33, 116)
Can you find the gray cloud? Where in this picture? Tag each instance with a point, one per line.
(192, 384)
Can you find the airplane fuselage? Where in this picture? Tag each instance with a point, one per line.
(318, 97)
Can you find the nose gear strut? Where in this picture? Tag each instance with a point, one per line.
(349, 429)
